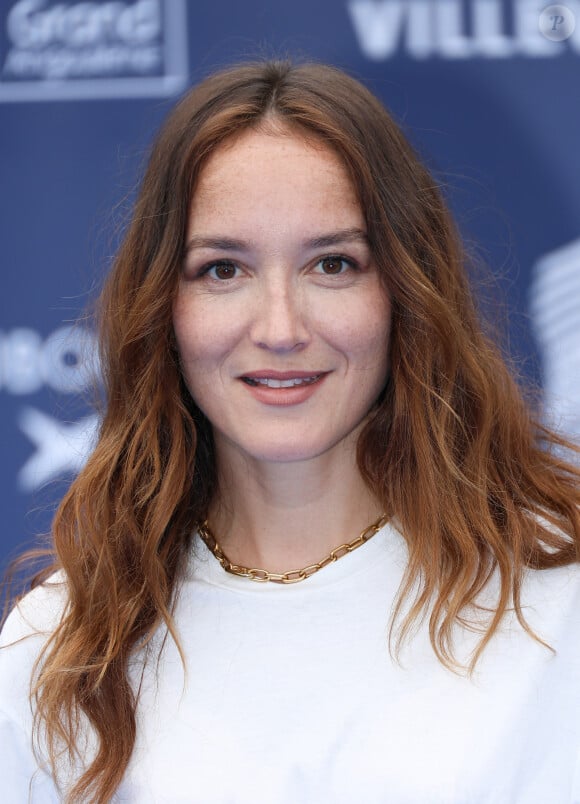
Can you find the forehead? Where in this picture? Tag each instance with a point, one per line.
(280, 173)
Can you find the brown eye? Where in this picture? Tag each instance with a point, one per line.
(223, 270)
(332, 265)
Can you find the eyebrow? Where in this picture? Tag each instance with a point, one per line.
(341, 236)
(350, 235)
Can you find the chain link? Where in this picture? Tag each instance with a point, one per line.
(293, 576)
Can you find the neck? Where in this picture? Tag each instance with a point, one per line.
(283, 516)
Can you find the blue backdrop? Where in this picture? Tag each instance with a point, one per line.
(487, 90)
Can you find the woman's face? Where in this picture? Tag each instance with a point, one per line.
(282, 324)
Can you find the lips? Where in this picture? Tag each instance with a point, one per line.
(273, 382)
(270, 378)
(283, 388)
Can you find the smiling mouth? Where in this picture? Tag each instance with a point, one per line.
(270, 382)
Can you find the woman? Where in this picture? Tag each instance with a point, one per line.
(292, 358)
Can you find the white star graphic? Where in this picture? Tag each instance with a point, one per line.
(61, 448)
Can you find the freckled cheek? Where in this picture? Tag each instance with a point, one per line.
(201, 357)
(204, 337)
(363, 337)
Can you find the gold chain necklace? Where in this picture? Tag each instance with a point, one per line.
(293, 576)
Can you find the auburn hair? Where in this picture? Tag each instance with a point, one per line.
(475, 482)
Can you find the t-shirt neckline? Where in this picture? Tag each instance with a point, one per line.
(207, 569)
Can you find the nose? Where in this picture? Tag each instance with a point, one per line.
(280, 318)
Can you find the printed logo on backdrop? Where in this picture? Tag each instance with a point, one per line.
(65, 362)
(88, 50)
(554, 303)
(465, 29)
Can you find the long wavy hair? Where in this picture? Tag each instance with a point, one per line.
(456, 456)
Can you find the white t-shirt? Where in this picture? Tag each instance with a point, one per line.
(291, 697)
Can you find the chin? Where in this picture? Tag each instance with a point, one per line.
(292, 451)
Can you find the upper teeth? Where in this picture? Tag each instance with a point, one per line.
(284, 383)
